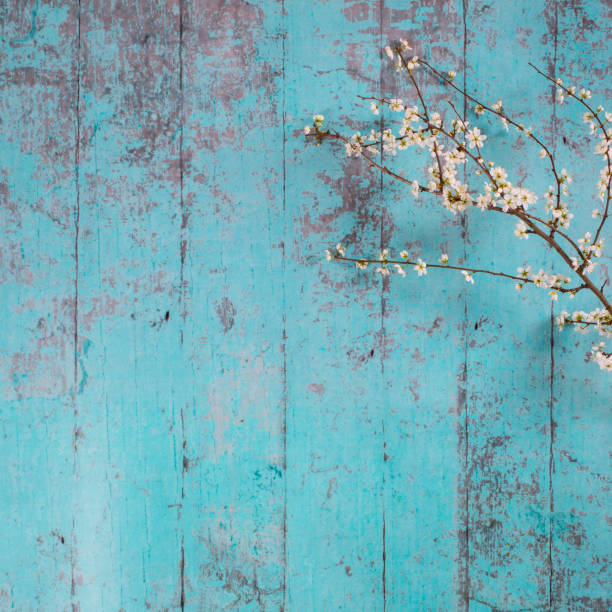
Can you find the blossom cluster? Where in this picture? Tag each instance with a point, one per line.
(601, 320)
(454, 145)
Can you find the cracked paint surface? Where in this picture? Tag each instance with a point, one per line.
(197, 411)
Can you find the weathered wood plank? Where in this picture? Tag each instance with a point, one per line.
(508, 334)
(233, 310)
(336, 550)
(424, 357)
(197, 411)
(130, 370)
(37, 194)
(581, 534)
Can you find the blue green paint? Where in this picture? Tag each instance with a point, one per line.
(234, 423)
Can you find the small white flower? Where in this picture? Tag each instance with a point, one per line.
(467, 276)
(383, 254)
(413, 63)
(521, 230)
(416, 190)
(374, 108)
(421, 267)
(389, 52)
(362, 265)
(340, 249)
(443, 258)
(543, 153)
(400, 270)
(518, 286)
(383, 271)
(499, 174)
(318, 119)
(307, 130)
(497, 106)
(451, 74)
(475, 138)
(554, 295)
(524, 272)
(585, 94)
(405, 45)
(483, 201)
(395, 104)
(328, 255)
(479, 109)
(404, 255)
(596, 213)
(540, 279)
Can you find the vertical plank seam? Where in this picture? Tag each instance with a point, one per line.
(183, 245)
(551, 423)
(382, 321)
(284, 309)
(77, 221)
(465, 372)
(182, 301)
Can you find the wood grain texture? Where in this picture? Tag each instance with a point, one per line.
(198, 412)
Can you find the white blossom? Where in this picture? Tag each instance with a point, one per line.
(396, 105)
(420, 267)
(416, 190)
(483, 201)
(443, 258)
(475, 138)
(467, 276)
(413, 63)
(404, 45)
(521, 230)
(524, 272)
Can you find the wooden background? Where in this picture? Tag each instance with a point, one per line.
(197, 411)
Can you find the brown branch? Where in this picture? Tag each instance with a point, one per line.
(408, 262)
(530, 220)
(334, 135)
(602, 127)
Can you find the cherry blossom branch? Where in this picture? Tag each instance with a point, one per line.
(430, 131)
(425, 266)
(334, 135)
(594, 115)
(493, 111)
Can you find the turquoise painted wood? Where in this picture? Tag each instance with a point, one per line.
(197, 411)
